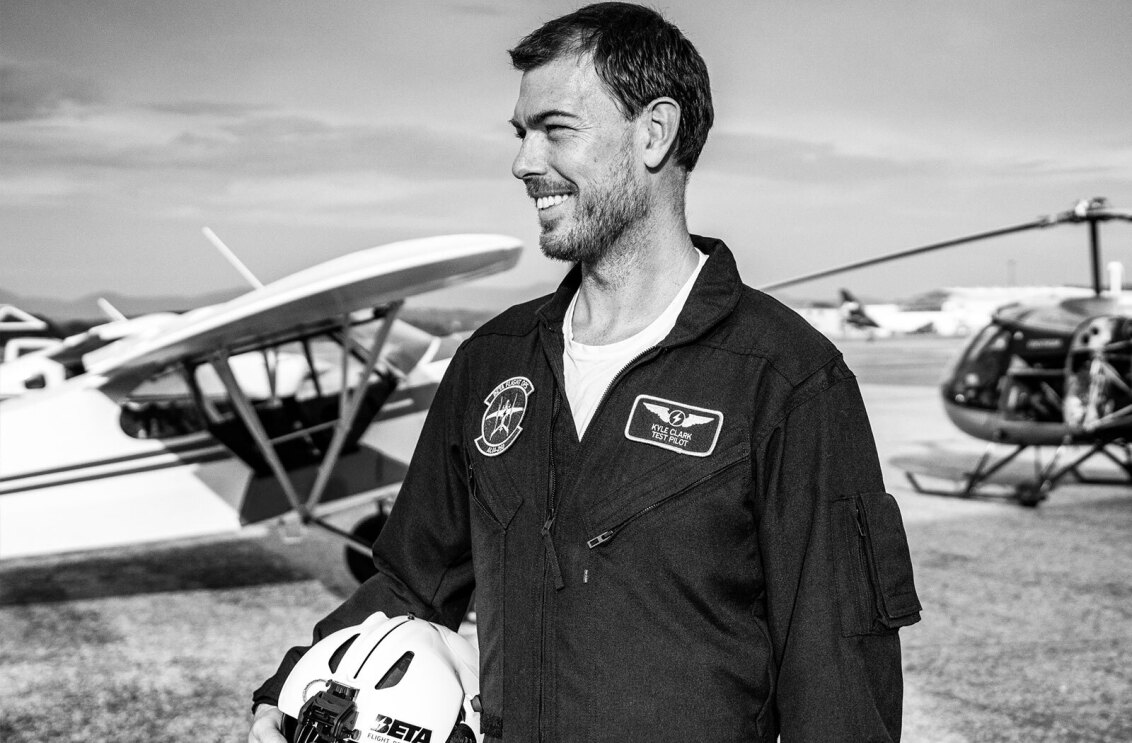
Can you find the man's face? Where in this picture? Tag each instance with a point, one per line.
(578, 159)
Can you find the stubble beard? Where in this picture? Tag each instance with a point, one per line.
(601, 217)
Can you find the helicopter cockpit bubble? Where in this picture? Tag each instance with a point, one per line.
(974, 379)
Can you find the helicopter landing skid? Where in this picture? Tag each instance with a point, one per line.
(1031, 492)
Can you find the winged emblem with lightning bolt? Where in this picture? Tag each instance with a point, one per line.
(677, 417)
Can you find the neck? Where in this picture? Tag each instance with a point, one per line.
(630, 286)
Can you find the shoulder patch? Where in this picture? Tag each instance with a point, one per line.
(674, 425)
(506, 406)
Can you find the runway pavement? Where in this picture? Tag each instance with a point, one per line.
(1026, 632)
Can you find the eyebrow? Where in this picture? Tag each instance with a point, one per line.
(543, 116)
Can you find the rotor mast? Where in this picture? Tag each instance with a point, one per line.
(1095, 246)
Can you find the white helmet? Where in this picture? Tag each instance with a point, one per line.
(399, 680)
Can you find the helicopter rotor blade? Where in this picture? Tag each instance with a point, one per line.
(1093, 211)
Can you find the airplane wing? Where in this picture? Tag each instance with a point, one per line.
(310, 300)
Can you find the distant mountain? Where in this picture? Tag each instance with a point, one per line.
(86, 308)
(478, 299)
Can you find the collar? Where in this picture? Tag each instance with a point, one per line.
(713, 297)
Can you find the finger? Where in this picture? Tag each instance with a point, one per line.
(267, 725)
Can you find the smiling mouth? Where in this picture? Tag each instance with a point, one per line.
(545, 202)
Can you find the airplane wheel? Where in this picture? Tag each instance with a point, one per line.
(1031, 494)
(361, 566)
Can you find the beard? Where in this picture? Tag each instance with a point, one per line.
(602, 214)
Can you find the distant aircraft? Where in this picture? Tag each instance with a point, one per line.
(853, 312)
(22, 333)
(303, 397)
(53, 360)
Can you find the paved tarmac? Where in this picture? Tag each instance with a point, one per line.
(1026, 631)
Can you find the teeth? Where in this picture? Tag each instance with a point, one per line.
(545, 202)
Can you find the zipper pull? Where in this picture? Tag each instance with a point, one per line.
(601, 539)
(857, 519)
(551, 553)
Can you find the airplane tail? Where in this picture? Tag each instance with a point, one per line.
(853, 312)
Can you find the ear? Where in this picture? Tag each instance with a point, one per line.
(662, 123)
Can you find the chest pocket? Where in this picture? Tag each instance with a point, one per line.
(671, 482)
(494, 492)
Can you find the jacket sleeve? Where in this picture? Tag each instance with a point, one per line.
(837, 568)
(423, 554)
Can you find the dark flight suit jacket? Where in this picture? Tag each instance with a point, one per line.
(717, 560)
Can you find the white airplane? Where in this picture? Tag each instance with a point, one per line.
(302, 397)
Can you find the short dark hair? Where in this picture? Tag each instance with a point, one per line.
(639, 56)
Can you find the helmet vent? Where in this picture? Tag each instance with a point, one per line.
(396, 672)
(340, 653)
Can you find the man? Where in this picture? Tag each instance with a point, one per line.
(661, 483)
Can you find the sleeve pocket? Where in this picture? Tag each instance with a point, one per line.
(872, 567)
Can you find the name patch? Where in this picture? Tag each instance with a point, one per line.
(506, 406)
(674, 425)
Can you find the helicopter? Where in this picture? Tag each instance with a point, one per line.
(1040, 374)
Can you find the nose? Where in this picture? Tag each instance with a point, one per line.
(530, 160)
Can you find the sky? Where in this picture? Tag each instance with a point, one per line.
(300, 131)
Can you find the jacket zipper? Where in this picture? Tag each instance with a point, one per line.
(864, 562)
(471, 477)
(551, 502)
(473, 491)
(552, 566)
(609, 534)
(547, 527)
(617, 378)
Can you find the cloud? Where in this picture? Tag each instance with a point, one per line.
(39, 91)
(794, 160)
(34, 188)
(195, 153)
(481, 9)
(861, 161)
(143, 138)
(209, 108)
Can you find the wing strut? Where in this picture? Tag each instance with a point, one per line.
(255, 428)
(349, 410)
(350, 404)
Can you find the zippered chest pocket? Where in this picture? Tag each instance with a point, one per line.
(494, 492)
(662, 489)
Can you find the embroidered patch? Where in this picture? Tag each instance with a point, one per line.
(674, 425)
(506, 406)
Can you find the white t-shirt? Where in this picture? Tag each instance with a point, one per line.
(589, 370)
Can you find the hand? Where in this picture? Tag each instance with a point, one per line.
(267, 725)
